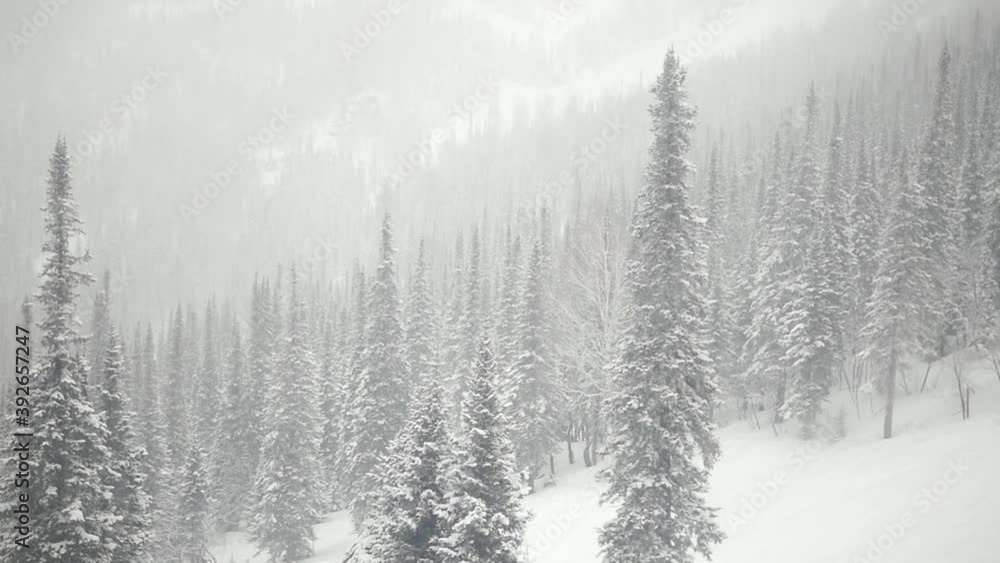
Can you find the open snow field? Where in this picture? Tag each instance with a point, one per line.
(929, 495)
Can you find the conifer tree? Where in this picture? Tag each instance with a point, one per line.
(809, 313)
(765, 374)
(409, 520)
(174, 385)
(69, 490)
(100, 322)
(331, 402)
(289, 483)
(129, 535)
(421, 324)
(235, 472)
(659, 412)
(834, 243)
(381, 394)
(348, 483)
(208, 388)
(534, 397)
(471, 321)
(188, 541)
(160, 469)
(486, 518)
(894, 331)
(719, 323)
(510, 292)
(260, 363)
(865, 219)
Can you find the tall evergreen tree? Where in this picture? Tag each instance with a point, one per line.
(894, 331)
(534, 395)
(421, 324)
(288, 488)
(69, 490)
(331, 401)
(659, 414)
(381, 394)
(100, 322)
(486, 518)
(233, 441)
(129, 535)
(810, 311)
(188, 541)
(349, 483)
(409, 520)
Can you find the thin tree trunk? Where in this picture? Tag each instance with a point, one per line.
(569, 444)
(926, 375)
(995, 356)
(890, 398)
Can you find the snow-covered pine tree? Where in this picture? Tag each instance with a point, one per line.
(173, 389)
(719, 323)
(409, 518)
(664, 386)
(455, 304)
(534, 396)
(288, 491)
(69, 452)
(485, 514)
(260, 361)
(937, 175)
(381, 394)
(807, 323)
(834, 243)
(865, 216)
(124, 476)
(893, 331)
(188, 538)
(208, 387)
(137, 377)
(506, 324)
(160, 483)
(972, 189)
(233, 441)
(471, 321)
(421, 324)
(356, 344)
(331, 401)
(100, 322)
(765, 377)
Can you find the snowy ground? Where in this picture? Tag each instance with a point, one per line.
(926, 496)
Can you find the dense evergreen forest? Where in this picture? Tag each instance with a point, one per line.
(677, 271)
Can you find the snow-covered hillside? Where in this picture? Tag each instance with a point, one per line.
(926, 496)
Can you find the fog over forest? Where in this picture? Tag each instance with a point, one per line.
(518, 281)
